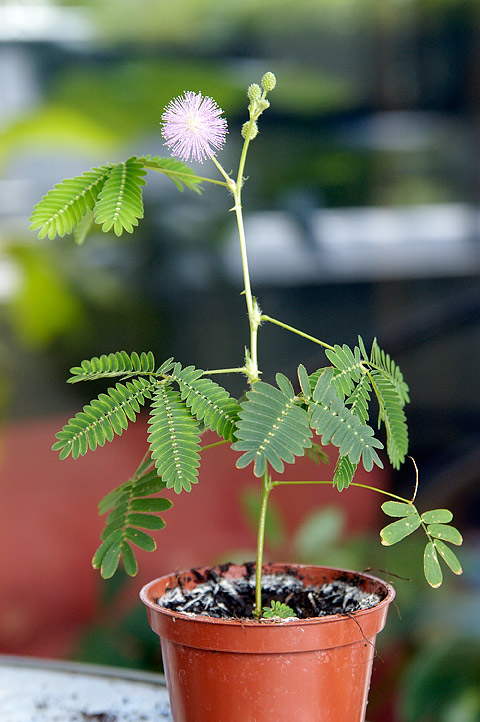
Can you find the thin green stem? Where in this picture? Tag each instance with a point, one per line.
(181, 176)
(254, 321)
(266, 488)
(214, 444)
(353, 483)
(236, 370)
(264, 317)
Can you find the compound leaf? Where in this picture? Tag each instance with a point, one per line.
(119, 363)
(102, 419)
(208, 401)
(174, 439)
(349, 366)
(63, 207)
(392, 414)
(128, 506)
(120, 204)
(272, 429)
(336, 424)
(181, 174)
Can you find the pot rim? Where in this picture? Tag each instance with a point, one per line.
(146, 597)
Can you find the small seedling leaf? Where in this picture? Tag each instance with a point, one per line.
(399, 529)
(431, 566)
(278, 609)
(437, 516)
(448, 556)
(446, 533)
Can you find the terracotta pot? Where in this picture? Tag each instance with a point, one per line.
(313, 670)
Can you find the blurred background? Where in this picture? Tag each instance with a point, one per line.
(362, 211)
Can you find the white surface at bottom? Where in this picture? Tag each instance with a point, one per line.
(73, 693)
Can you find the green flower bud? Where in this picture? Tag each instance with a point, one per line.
(254, 92)
(251, 129)
(269, 81)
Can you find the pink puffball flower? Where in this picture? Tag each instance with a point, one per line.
(192, 127)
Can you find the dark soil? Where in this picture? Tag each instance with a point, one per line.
(222, 597)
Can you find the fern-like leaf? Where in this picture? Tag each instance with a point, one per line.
(208, 401)
(388, 368)
(358, 404)
(132, 509)
(344, 473)
(102, 419)
(349, 366)
(119, 363)
(63, 207)
(391, 413)
(120, 204)
(272, 428)
(178, 172)
(174, 440)
(336, 424)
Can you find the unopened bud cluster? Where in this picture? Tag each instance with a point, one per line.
(250, 128)
(258, 103)
(269, 81)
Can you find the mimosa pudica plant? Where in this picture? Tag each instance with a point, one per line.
(272, 424)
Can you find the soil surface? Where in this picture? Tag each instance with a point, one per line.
(222, 597)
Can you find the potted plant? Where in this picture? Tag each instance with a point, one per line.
(252, 641)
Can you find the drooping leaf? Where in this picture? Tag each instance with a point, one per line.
(174, 439)
(63, 207)
(392, 414)
(81, 231)
(208, 401)
(388, 368)
(449, 557)
(131, 508)
(119, 204)
(431, 566)
(398, 530)
(272, 429)
(336, 424)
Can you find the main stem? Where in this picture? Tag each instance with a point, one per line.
(266, 488)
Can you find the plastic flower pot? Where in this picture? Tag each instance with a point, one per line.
(228, 670)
